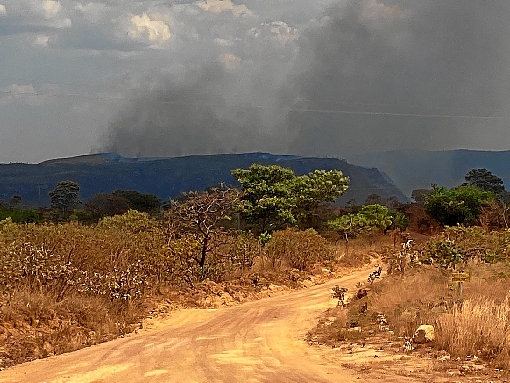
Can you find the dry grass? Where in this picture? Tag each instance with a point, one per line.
(359, 251)
(298, 249)
(410, 301)
(66, 286)
(476, 323)
(477, 327)
(34, 326)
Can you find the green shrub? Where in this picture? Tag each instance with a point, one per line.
(445, 254)
(20, 215)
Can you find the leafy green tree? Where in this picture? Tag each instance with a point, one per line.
(65, 197)
(370, 218)
(148, 203)
(459, 205)
(274, 197)
(312, 190)
(484, 179)
(349, 225)
(378, 217)
(398, 220)
(268, 200)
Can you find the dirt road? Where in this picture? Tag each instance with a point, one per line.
(260, 341)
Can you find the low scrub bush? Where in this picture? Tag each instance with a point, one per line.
(79, 285)
(298, 249)
(20, 215)
(474, 324)
(475, 243)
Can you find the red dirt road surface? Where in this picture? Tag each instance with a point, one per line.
(260, 341)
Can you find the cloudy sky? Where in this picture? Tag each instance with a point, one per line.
(314, 77)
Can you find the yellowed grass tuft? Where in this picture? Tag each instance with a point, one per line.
(477, 327)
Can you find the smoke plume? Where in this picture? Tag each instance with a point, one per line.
(364, 76)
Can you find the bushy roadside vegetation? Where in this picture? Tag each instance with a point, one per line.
(19, 214)
(419, 290)
(65, 286)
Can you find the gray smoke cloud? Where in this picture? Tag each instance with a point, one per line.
(365, 76)
(199, 113)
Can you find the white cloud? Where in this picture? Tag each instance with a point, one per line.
(41, 40)
(52, 7)
(279, 32)
(156, 29)
(3, 11)
(54, 14)
(282, 32)
(218, 6)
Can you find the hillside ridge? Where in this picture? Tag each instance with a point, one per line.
(166, 177)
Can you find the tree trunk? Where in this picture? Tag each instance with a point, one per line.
(204, 252)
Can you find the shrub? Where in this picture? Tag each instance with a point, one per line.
(460, 205)
(20, 215)
(475, 243)
(445, 254)
(132, 221)
(299, 249)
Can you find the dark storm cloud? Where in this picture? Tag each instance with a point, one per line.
(365, 78)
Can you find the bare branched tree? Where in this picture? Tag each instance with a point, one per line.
(201, 214)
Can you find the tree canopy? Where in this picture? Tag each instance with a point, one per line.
(65, 196)
(274, 197)
(459, 205)
(148, 203)
(370, 218)
(485, 180)
(200, 215)
(102, 205)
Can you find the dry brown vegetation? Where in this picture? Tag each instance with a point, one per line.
(420, 291)
(66, 286)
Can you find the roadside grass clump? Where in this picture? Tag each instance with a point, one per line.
(355, 321)
(65, 286)
(33, 326)
(411, 300)
(331, 329)
(474, 324)
(300, 250)
(477, 327)
(362, 249)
